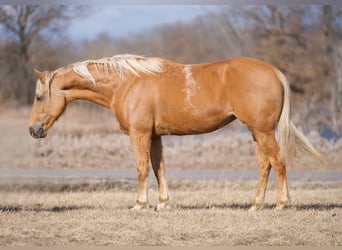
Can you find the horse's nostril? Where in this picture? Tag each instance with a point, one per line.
(32, 133)
(37, 131)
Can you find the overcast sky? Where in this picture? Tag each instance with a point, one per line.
(121, 20)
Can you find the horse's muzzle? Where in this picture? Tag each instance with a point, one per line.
(37, 130)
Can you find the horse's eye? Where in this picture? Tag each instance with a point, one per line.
(40, 98)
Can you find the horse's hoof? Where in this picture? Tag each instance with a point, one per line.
(139, 207)
(163, 206)
(255, 208)
(281, 205)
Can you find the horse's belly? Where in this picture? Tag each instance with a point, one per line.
(193, 121)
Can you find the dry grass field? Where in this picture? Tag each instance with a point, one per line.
(204, 212)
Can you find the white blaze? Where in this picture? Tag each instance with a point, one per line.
(190, 85)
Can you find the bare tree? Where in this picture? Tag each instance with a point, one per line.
(303, 42)
(332, 47)
(22, 26)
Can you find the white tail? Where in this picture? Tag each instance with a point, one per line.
(292, 142)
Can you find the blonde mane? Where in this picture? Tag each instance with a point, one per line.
(121, 65)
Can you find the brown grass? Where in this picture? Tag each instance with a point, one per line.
(202, 213)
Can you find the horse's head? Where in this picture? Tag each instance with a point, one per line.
(48, 105)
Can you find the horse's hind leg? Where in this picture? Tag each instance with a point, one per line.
(264, 168)
(157, 161)
(269, 147)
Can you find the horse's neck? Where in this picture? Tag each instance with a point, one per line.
(78, 88)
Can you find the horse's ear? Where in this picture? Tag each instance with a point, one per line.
(40, 75)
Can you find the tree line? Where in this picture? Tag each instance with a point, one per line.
(303, 41)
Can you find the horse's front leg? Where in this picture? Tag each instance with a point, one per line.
(141, 143)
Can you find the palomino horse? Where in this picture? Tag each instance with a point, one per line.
(152, 97)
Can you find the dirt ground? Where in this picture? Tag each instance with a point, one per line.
(87, 137)
(204, 213)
